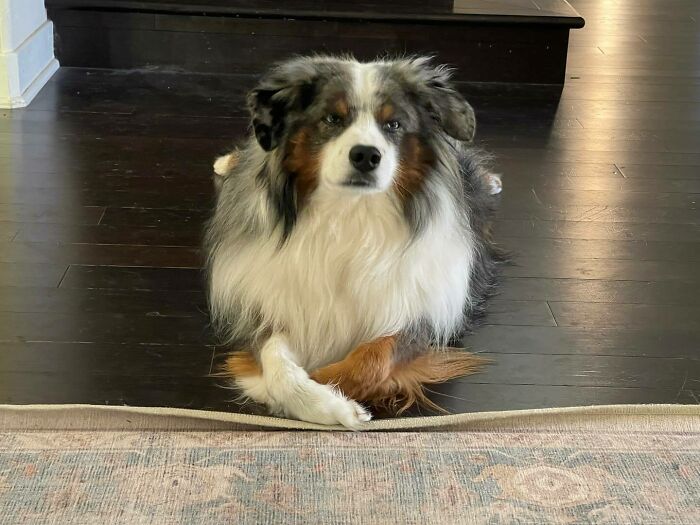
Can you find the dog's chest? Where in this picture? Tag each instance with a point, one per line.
(346, 282)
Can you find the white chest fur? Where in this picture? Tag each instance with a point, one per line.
(348, 274)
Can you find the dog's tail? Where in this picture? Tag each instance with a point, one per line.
(405, 386)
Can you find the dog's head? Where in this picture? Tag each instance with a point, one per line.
(363, 127)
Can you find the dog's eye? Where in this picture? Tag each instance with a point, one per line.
(392, 126)
(333, 119)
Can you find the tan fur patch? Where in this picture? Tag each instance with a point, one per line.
(241, 364)
(386, 111)
(416, 161)
(371, 375)
(362, 371)
(339, 105)
(302, 160)
(405, 386)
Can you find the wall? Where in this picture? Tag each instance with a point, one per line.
(26, 51)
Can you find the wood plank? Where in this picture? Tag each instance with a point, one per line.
(14, 274)
(642, 123)
(623, 315)
(521, 313)
(601, 249)
(621, 270)
(598, 213)
(150, 303)
(525, 196)
(101, 254)
(513, 168)
(596, 230)
(474, 397)
(154, 217)
(102, 328)
(587, 371)
(617, 156)
(649, 341)
(8, 231)
(133, 278)
(99, 361)
(641, 171)
(19, 165)
(107, 234)
(160, 196)
(13, 212)
(138, 390)
(54, 127)
(600, 291)
(609, 184)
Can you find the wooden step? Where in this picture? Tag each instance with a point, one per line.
(487, 40)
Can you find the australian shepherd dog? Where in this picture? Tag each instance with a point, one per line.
(350, 241)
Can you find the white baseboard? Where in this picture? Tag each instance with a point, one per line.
(25, 69)
(23, 100)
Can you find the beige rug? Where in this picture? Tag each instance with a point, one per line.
(606, 464)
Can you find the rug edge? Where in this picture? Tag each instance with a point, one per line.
(93, 417)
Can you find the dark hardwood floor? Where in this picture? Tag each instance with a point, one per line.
(105, 183)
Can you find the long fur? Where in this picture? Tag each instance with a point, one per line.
(289, 253)
(401, 387)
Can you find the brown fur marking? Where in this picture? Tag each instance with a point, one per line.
(416, 161)
(370, 374)
(241, 364)
(386, 111)
(340, 105)
(406, 384)
(366, 367)
(302, 160)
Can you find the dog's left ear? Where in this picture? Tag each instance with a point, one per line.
(454, 113)
(286, 90)
(433, 85)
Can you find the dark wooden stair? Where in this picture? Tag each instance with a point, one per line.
(487, 40)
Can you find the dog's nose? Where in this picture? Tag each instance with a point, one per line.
(365, 158)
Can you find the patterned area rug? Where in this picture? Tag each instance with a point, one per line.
(598, 465)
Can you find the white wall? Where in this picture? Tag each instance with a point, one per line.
(26, 51)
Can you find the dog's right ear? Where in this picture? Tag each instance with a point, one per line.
(432, 86)
(287, 90)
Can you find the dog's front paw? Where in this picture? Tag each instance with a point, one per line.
(325, 405)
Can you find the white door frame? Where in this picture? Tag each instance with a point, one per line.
(26, 51)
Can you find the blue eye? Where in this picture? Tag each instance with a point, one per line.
(333, 119)
(392, 126)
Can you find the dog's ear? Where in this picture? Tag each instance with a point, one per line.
(286, 90)
(453, 112)
(433, 86)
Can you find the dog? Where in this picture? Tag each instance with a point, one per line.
(350, 240)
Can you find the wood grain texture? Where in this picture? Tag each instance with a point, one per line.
(105, 185)
(496, 41)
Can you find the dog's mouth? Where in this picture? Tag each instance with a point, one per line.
(361, 181)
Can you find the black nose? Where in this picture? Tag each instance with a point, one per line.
(365, 158)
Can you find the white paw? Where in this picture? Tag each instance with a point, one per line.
(291, 392)
(324, 405)
(254, 388)
(494, 184)
(221, 165)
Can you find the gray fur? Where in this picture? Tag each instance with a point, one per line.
(258, 197)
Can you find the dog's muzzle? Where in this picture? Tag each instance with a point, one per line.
(364, 159)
